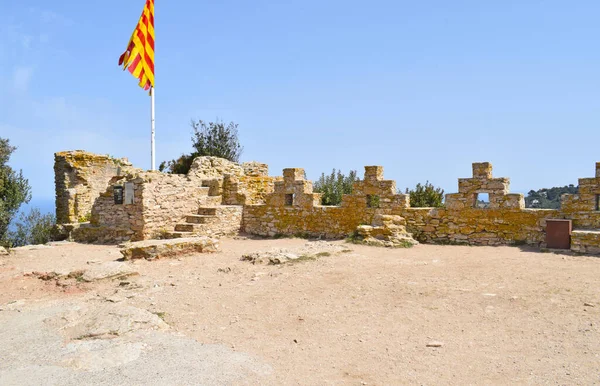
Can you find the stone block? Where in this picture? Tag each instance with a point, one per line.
(255, 169)
(466, 186)
(214, 185)
(498, 185)
(512, 201)
(482, 170)
(401, 201)
(293, 174)
(373, 173)
(455, 201)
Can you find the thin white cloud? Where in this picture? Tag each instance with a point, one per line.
(24, 33)
(47, 16)
(22, 78)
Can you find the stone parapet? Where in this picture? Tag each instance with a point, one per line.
(153, 205)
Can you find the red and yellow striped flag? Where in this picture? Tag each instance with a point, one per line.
(139, 56)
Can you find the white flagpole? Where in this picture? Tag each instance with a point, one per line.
(153, 127)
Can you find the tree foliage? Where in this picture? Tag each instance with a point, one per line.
(334, 186)
(548, 198)
(32, 229)
(426, 196)
(14, 188)
(180, 165)
(213, 139)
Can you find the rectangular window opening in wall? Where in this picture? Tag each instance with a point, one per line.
(118, 195)
(372, 201)
(482, 200)
(289, 199)
(598, 202)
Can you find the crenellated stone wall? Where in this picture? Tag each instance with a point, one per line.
(219, 197)
(482, 182)
(504, 220)
(293, 208)
(584, 208)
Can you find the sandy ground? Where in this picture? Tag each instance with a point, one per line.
(365, 316)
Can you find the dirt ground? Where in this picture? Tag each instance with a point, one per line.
(364, 316)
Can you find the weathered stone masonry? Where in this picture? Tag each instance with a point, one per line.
(218, 197)
(505, 221)
(294, 209)
(165, 205)
(80, 177)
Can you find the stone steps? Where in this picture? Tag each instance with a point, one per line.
(178, 235)
(200, 219)
(190, 227)
(210, 221)
(212, 201)
(204, 191)
(204, 211)
(217, 209)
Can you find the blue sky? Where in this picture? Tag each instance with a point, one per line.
(422, 88)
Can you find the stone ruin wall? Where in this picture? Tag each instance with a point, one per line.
(288, 206)
(505, 221)
(160, 201)
(126, 221)
(293, 208)
(247, 190)
(80, 178)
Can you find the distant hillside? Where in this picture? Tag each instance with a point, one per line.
(548, 198)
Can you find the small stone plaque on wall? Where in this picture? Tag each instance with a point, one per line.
(118, 195)
(128, 193)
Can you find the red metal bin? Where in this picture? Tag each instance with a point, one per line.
(558, 233)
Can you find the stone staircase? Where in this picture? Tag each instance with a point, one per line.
(215, 220)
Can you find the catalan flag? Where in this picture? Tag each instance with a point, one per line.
(139, 56)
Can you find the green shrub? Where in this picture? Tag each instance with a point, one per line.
(14, 188)
(32, 228)
(334, 186)
(214, 139)
(426, 196)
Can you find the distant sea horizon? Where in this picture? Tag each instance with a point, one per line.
(45, 205)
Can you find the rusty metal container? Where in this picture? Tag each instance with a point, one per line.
(558, 233)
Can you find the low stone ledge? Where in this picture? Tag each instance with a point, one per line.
(160, 249)
(88, 233)
(586, 241)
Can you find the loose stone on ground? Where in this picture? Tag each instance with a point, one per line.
(310, 251)
(157, 249)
